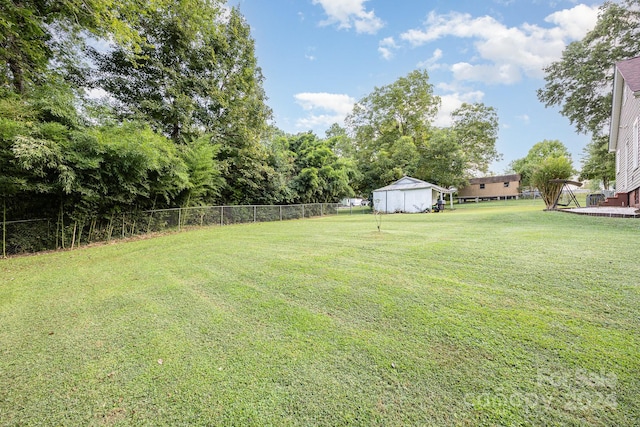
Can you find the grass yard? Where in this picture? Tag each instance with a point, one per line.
(492, 314)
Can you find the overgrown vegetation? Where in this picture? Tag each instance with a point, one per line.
(184, 119)
(485, 315)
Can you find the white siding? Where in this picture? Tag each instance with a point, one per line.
(417, 200)
(411, 201)
(388, 201)
(634, 144)
(395, 201)
(628, 155)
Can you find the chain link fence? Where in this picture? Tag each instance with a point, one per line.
(37, 235)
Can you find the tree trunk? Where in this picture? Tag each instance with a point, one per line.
(61, 221)
(18, 76)
(73, 237)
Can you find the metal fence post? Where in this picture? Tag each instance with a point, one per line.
(280, 212)
(221, 215)
(254, 213)
(179, 217)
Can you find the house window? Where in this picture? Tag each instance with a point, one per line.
(482, 186)
(506, 184)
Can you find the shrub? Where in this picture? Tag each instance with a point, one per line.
(559, 167)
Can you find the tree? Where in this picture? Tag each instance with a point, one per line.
(319, 174)
(138, 168)
(527, 165)
(404, 108)
(35, 33)
(37, 126)
(598, 163)
(204, 182)
(442, 160)
(393, 135)
(238, 118)
(550, 168)
(165, 83)
(389, 121)
(249, 176)
(340, 141)
(55, 164)
(476, 128)
(15, 116)
(281, 159)
(580, 83)
(198, 75)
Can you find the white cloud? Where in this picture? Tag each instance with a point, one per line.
(524, 118)
(316, 121)
(327, 101)
(310, 53)
(350, 13)
(386, 47)
(452, 24)
(505, 54)
(487, 73)
(452, 101)
(573, 21)
(324, 108)
(432, 63)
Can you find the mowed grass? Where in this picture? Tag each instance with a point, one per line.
(492, 314)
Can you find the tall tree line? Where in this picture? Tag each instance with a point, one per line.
(185, 121)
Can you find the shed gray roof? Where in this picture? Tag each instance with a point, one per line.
(408, 183)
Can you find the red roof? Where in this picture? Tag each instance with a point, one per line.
(630, 71)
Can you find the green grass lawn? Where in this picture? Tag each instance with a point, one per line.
(491, 314)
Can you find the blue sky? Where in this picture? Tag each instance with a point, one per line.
(320, 56)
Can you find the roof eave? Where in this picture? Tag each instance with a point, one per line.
(618, 84)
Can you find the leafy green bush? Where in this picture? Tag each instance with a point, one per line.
(558, 167)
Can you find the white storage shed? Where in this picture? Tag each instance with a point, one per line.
(407, 195)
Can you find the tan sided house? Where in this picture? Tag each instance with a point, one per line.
(491, 188)
(624, 137)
